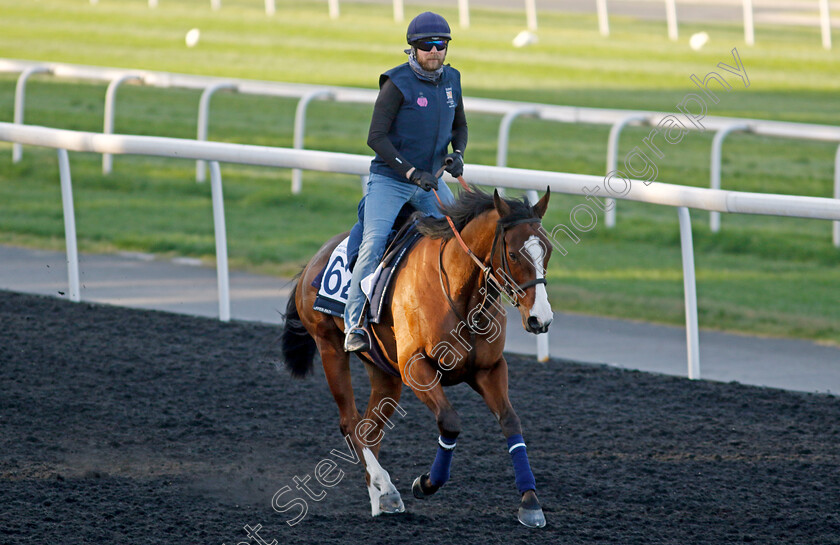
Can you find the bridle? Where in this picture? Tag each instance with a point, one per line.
(512, 291)
(486, 268)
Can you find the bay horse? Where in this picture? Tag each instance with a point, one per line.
(445, 326)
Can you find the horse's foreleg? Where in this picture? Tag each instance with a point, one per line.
(492, 385)
(424, 380)
(383, 403)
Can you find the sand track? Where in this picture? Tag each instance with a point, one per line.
(147, 427)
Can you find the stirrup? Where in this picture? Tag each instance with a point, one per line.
(356, 341)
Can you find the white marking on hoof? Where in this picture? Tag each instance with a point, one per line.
(380, 485)
(373, 492)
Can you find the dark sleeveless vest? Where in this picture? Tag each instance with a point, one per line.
(422, 130)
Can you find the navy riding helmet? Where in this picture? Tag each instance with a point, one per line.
(427, 25)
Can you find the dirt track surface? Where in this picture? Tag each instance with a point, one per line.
(129, 426)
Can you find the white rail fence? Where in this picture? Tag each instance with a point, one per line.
(680, 197)
(600, 8)
(509, 110)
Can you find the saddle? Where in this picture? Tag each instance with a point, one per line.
(333, 282)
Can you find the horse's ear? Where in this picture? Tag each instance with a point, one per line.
(542, 205)
(502, 207)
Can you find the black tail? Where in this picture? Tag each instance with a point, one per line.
(297, 344)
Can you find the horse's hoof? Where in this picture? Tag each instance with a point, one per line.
(532, 518)
(422, 491)
(417, 488)
(530, 512)
(391, 503)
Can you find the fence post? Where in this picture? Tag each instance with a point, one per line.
(20, 103)
(671, 15)
(464, 13)
(269, 7)
(836, 234)
(717, 152)
(153, 3)
(203, 119)
(690, 286)
(749, 32)
(215, 5)
(603, 17)
(399, 11)
(221, 241)
(504, 135)
(300, 130)
(531, 14)
(612, 160)
(334, 9)
(69, 225)
(110, 105)
(825, 24)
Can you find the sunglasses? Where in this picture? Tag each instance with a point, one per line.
(427, 45)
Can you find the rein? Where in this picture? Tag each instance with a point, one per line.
(442, 272)
(486, 270)
(452, 225)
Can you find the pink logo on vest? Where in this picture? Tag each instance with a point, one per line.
(422, 102)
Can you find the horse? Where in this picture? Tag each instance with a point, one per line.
(445, 326)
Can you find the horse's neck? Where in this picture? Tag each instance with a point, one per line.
(478, 234)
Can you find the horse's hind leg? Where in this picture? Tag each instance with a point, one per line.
(337, 370)
(492, 385)
(385, 393)
(365, 435)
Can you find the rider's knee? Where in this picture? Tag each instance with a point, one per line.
(373, 242)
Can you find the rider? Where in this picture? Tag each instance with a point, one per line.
(418, 113)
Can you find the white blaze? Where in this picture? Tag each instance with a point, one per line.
(541, 309)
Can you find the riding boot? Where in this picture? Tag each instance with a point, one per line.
(356, 341)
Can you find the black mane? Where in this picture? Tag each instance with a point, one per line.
(468, 206)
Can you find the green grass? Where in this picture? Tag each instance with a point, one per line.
(765, 275)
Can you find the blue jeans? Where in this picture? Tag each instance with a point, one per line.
(384, 199)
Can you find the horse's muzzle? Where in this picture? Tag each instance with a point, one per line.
(533, 325)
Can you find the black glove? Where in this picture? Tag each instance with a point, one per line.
(454, 164)
(424, 180)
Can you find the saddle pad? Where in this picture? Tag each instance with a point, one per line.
(333, 282)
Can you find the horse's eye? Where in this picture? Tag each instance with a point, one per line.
(512, 256)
